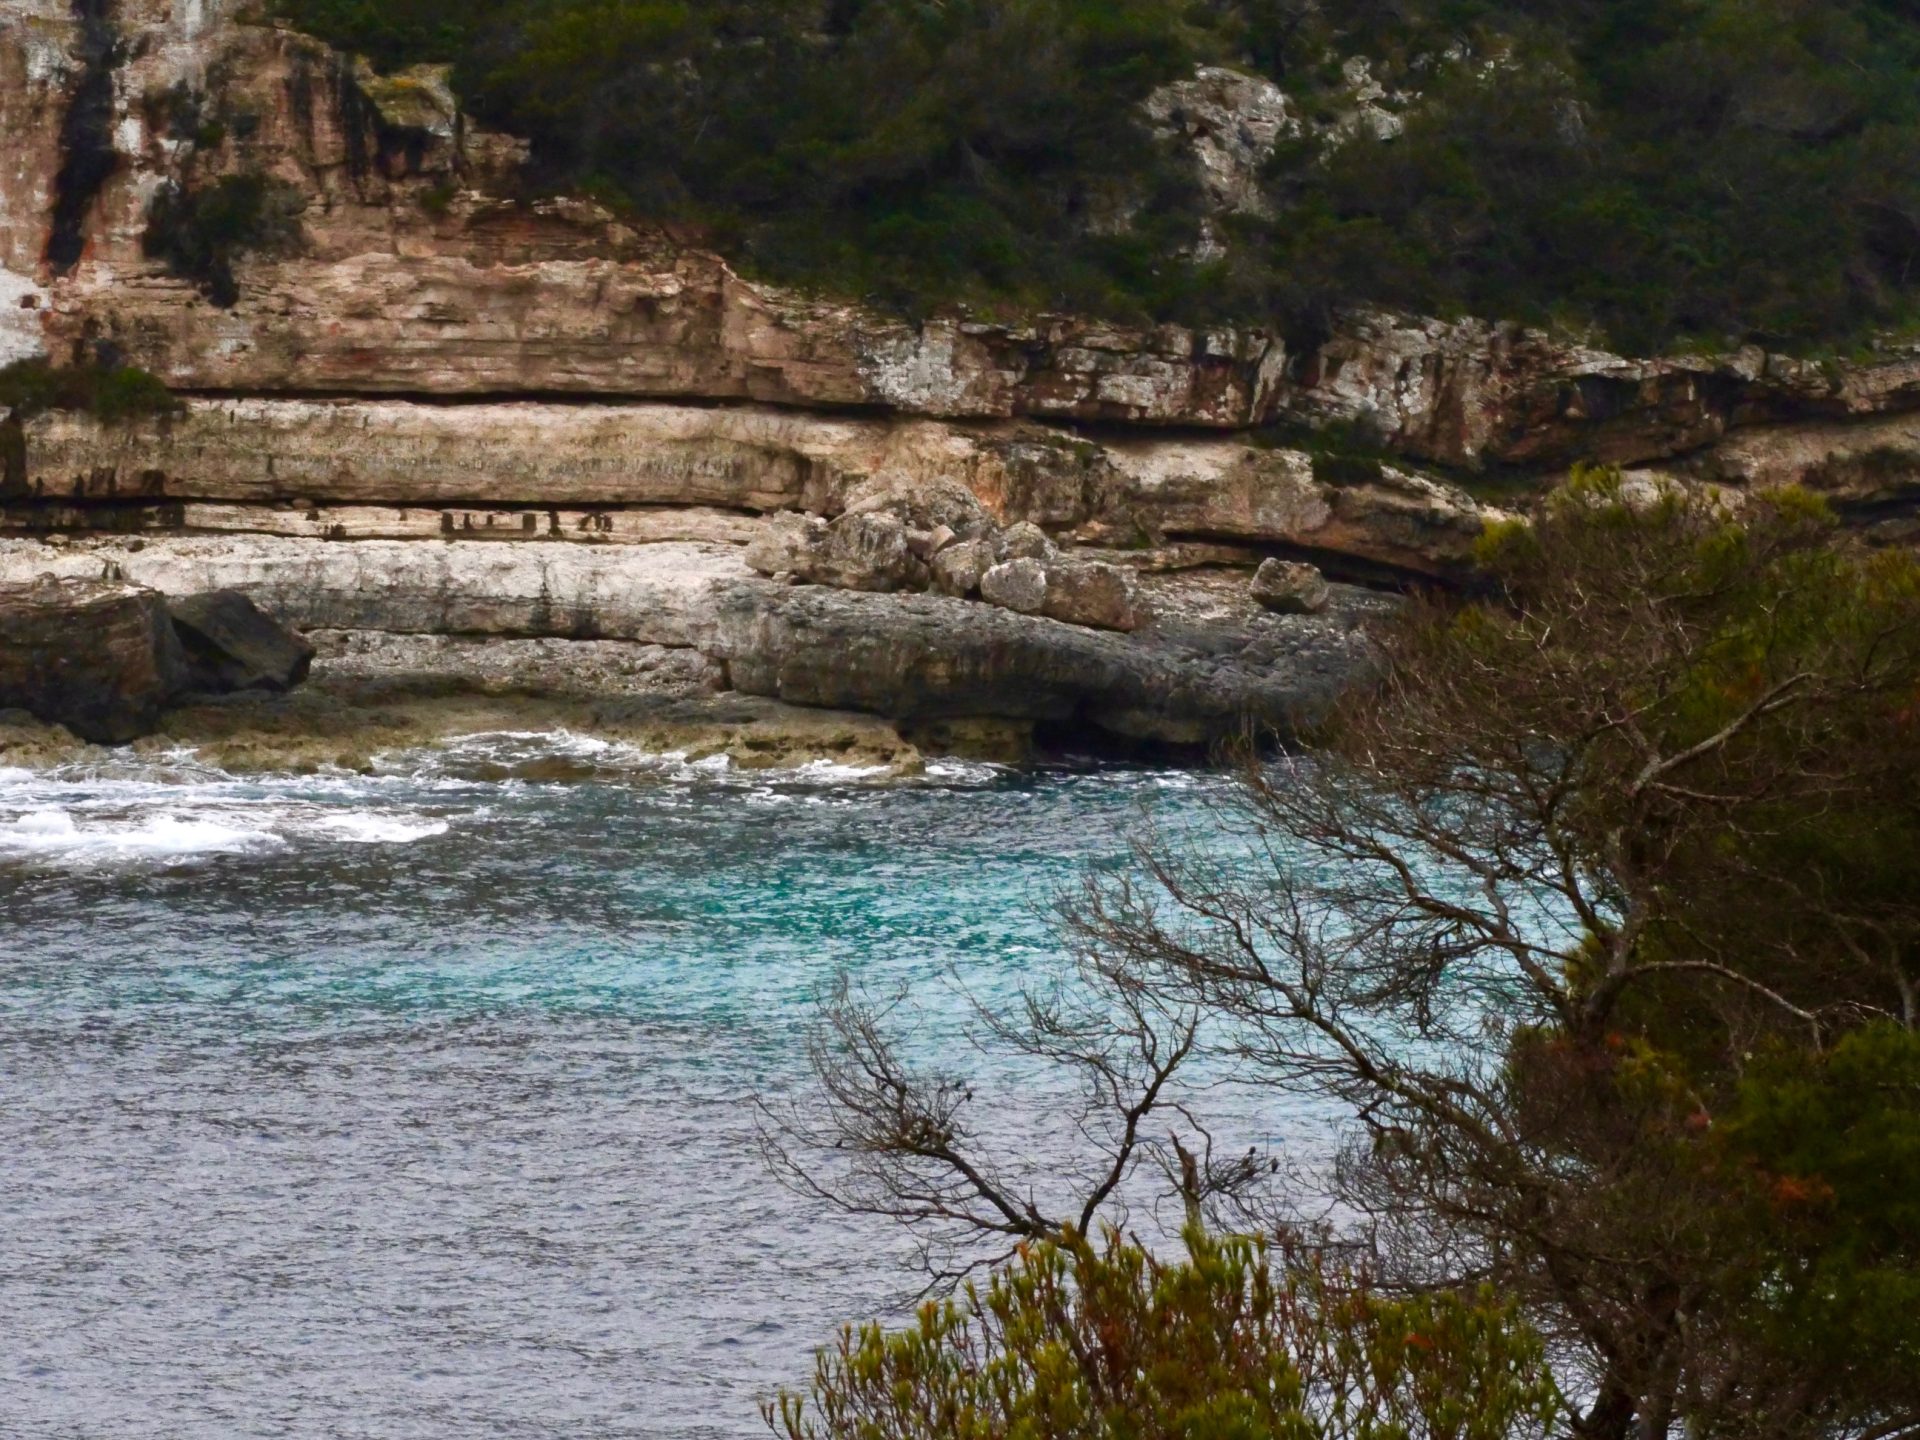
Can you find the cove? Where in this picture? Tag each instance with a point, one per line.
(421, 1104)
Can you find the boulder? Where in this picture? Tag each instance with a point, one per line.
(97, 656)
(1289, 587)
(1075, 592)
(922, 503)
(925, 544)
(867, 550)
(785, 543)
(1025, 541)
(231, 644)
(959, 569)
(1090, 593)
(1017, 585)
(870, 552)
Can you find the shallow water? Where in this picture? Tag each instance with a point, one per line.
(420, 1104)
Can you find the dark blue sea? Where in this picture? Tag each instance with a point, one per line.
(421, 1104)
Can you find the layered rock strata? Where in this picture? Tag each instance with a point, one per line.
(431, 403)
(351, 469)
(416, 268)
(1204, 662)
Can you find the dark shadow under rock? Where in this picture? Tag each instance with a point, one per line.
(231, 644)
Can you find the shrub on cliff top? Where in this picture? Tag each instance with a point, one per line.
(911, 152)
(1651, 169)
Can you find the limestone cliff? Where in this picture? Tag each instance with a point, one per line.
(408, 344)
(418, 265)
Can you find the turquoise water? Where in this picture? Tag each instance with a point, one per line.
(421, 1104)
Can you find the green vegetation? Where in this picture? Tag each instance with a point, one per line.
(1082, 1342)
(201, 232)
(111, 393)
(1657, 171)
(1597, 911)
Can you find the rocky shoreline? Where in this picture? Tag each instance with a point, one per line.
(682, 647)
(549, 462)
(365, 702)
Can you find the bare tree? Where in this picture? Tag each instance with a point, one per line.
(884, 1137)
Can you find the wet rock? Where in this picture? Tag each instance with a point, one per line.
(1194, 669)
(231, 644)
(917, 658)
(97, 656)
(1288, 587)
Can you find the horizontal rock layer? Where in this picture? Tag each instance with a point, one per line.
(418, 272)
(1205, 663)
(460, 470)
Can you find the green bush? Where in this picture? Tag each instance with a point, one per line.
(200, 233)
(1653, 171)
(1082, 1342)
(112, 393)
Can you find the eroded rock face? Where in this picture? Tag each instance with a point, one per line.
(97, 656)
(1190, 674)
(1230, 123)
(428, 362)
(1468, 392)
(415, 271)
(374, 469)
(1377, 514)
(1870, 462)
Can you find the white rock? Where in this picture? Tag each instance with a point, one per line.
(1289, 587)
(1018, 585)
